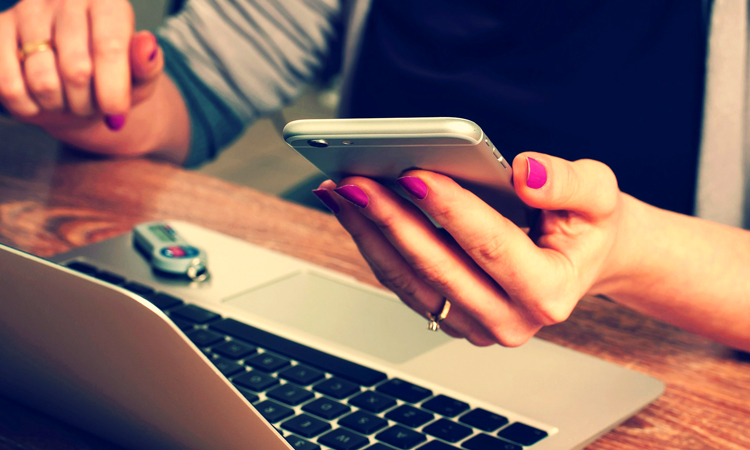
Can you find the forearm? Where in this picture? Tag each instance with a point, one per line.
(683, 270)
(158, 127)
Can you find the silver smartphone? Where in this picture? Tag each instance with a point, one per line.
(382, 149)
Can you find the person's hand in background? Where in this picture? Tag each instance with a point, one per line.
(504, 285)
(77, 69)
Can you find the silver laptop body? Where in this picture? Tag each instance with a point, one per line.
(104, 359)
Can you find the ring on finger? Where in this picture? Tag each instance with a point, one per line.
(30, 48)
(435, 319)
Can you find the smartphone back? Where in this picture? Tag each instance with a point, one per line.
(382, 149)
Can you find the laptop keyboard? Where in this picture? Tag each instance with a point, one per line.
(320, 401)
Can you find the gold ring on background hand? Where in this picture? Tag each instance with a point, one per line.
(30, 48)
(434, 320)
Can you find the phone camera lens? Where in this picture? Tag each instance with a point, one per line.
(318, 143)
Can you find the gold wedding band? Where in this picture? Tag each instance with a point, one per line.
(30, 48)
(434, 320)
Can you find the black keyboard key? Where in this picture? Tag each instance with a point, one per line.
(290, 394)
(227, 367)
(195, 314)
(343, 439)
(302, 353)
(373, 401)
(336, 388)
(301, 444)
(255, 381)
(403, 390)
(401, 437)
(301, 374)
(183, 325)
(273, 412)
(484, 420)
(306, 426)
(363, 422)
(252, 398)
(447, 430)
(487, 442)
(326, 408)
(234, 349)
(446, 406)
(204, 338)
(379, 446)
(82, 267)
(138, 288)
(437, 445)
(164, 301)
(267, 362)
(409, 416)
(110, 277)
(522, 434)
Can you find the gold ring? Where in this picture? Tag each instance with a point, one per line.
(434, 320)
(30, 48)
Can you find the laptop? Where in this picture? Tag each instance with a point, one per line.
(272, 353)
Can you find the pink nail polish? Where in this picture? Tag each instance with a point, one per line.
(536, 175)
(413, 186)
(327, 199)
(115, 121)
(353, 194)
(155, 44)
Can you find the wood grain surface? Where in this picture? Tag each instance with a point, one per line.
(52, 200)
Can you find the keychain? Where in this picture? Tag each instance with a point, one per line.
(168, 252)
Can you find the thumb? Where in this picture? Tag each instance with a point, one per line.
(147, 62)
(146, 58)
(585, 186)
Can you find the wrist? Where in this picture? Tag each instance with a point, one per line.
(626, 257)
(169, 138)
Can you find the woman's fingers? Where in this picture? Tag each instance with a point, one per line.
(74, 57)
(498, 246)
(33, 21)
(13, 92)
(395, 273)
(112, 26)
(444, 266)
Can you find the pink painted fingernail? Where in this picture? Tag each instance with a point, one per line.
(353, 194)
(536, 175)
(115, 121)
(155, 44)
(327, 199)
(414, 186)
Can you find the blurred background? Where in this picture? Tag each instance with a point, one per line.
(260, 158)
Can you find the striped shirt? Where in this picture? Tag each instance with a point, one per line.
(237, 60)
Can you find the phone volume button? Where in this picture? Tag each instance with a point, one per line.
(499, 157)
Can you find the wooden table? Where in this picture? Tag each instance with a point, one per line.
(52, 200)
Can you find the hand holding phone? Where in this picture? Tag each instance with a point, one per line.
(382, 149)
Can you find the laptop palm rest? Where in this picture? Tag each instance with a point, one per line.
(365, 320)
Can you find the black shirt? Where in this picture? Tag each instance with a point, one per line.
(619, 81)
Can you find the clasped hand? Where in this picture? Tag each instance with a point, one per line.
(504, 284)
(74, 65)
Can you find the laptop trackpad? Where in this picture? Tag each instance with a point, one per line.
(343, 313)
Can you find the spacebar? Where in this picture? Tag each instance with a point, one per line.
(302, 353)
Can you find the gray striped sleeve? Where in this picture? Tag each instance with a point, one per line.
(255, 55)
